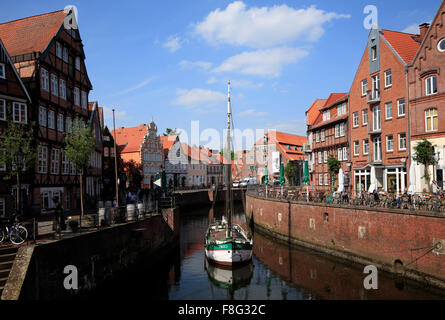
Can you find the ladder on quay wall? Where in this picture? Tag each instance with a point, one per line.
(7, 257)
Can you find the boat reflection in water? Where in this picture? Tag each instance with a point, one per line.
(229, 278)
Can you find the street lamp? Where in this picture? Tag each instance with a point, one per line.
(18, 162)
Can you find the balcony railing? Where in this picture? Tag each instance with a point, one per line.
(373, 96)
(374, 129)
(373, 159)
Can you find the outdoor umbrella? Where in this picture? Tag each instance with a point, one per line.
(266, 178)
(373, 185)
(306, 173)
(341, 181)
(282, 180)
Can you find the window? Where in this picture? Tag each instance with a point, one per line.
(323, 136)
(2, 109)
(402, 141)
(356, 148)
(374, 53)
(366, 147)
(319, 157)
(342, 129)
(389, 143)
(327, 115)
(365, 117)
(441, 45)
(106, 153)
(54, 85)
(51, 119)
(376, 118)
(431, 120)
(337, 130)
(401, 107)
(68, 124)
(43, 159)
(388, 110)
(19, 113)
(340, 154)
(45, 80)
(48, 199)
(317, 136)
(326, 180)
(320, 179)
(376, 87)
(42, 116)
(62, 88)
(431, 85)
(355, 119)
(341, 109)
(325, 156)
(59, 50)
(65, 54)
(78, 63)
(388, 78)
(84, 99)
(345, 154)
(76, 96)
(2, 71)
(60, 122)
(65, 164)
(364, 87)
(55, 161)
(377, 149)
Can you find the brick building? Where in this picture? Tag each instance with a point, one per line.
(130, 142)
(427, 99)
(328, 135)
(15, 105)
(378, 112)
(152, 154)
(50, 61)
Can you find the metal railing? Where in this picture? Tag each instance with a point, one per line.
(414, 202)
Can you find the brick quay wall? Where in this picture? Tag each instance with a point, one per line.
(99, 256)
(392, 240)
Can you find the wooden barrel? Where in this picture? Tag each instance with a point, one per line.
(105, 217)
(141, 210)
(131, 212)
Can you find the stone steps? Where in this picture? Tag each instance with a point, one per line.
(7, 256)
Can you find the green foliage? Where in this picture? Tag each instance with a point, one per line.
(134, 174)
(17, 137)
(333, 165)
(79, 146)
(424, 154)
(290, 171)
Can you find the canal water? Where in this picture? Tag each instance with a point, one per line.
(277, 272)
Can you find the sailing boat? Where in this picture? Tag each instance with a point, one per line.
(226, 243)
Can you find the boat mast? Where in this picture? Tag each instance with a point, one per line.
(229, 168)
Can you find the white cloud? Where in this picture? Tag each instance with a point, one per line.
(252, 113)
(414, 29)
(205, 65)
(198, 97)
(212, 80)
(173, 43)
(135, 87)
(263, 27)
(267, 62)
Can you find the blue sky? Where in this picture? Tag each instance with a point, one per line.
(171, 60)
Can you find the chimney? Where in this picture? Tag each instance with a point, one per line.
(423, 30)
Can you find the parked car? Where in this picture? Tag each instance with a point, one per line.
(236, 184)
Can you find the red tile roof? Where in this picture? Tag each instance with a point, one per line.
(314, 110)
(32, 33)
(333, 99)
(168, 142)
(130, 138)
(282, 140)
(405, 44)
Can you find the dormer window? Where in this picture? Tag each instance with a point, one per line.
(374, 53)
(326, 115)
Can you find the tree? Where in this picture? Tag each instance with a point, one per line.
(133, 171)
(424, 154)
(290, 171)
(171, 132)
(333, 167)
(17, 152)
(79, 146)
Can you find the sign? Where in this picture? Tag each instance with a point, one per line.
(275, 162)
(158, 183)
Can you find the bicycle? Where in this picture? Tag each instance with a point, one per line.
(15, 231)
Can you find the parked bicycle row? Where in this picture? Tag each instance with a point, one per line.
(392, 200)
